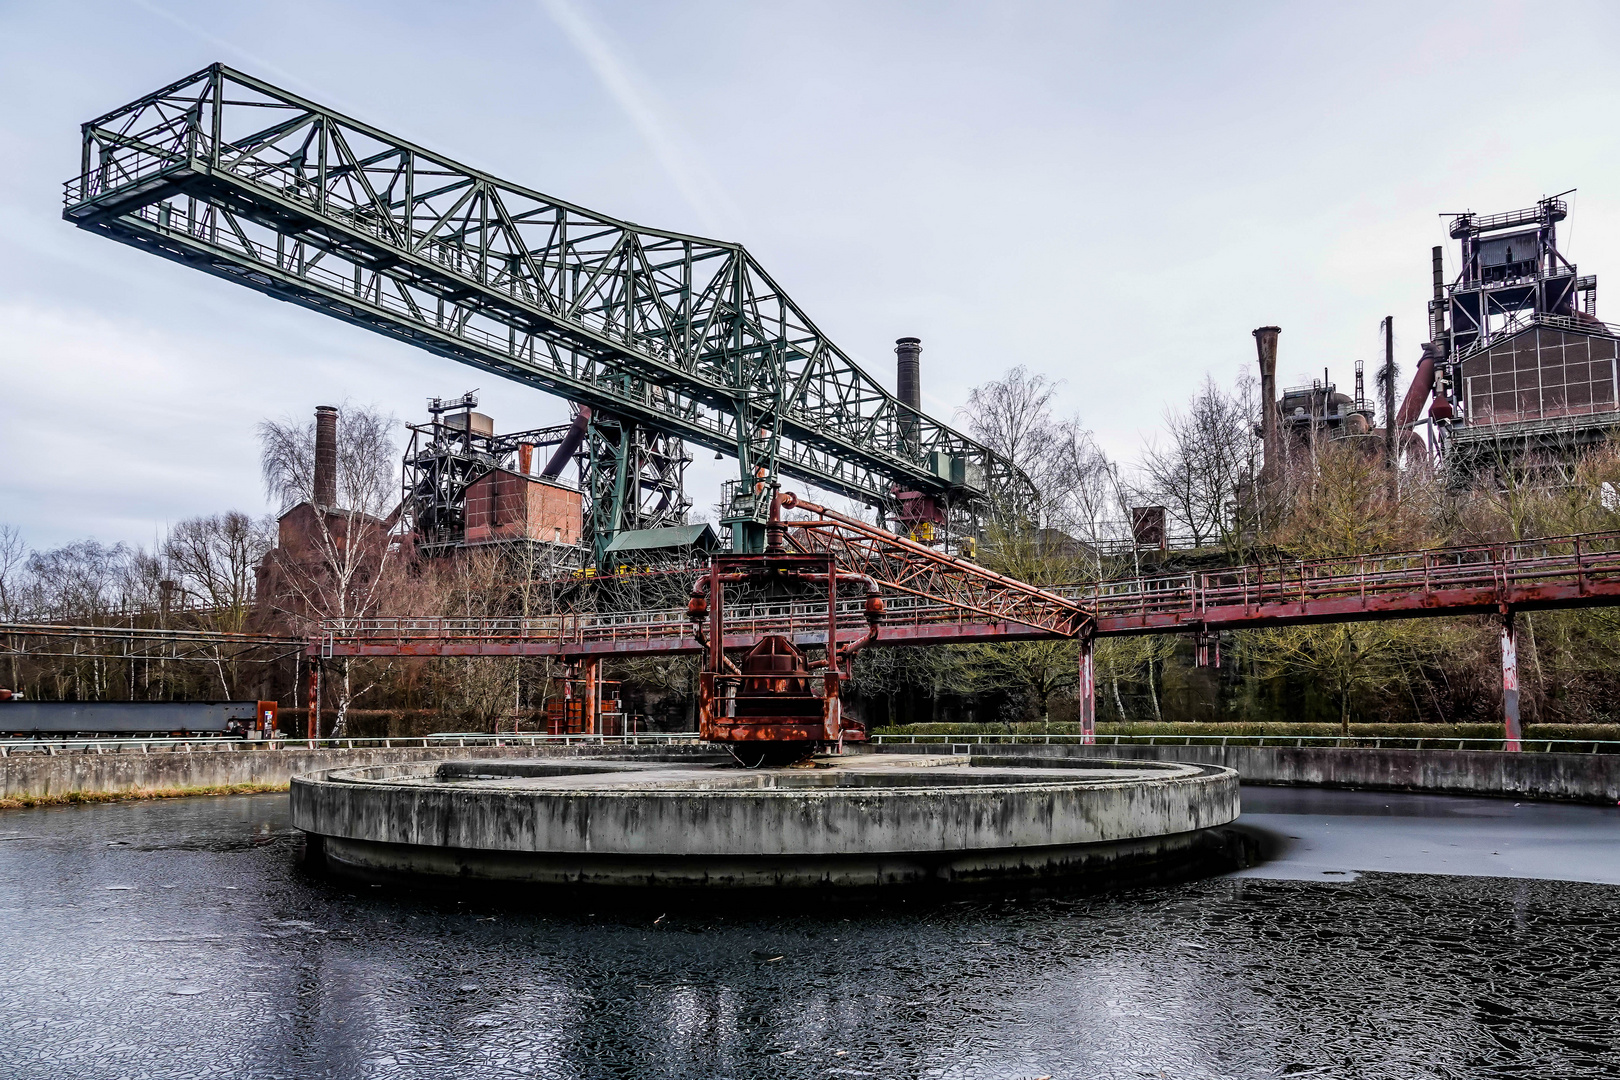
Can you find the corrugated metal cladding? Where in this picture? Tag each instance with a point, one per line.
(1541, 373)
(506, 506)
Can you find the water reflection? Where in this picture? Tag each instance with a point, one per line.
(179, 939)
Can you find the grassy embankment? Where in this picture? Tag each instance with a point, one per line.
(25, 801)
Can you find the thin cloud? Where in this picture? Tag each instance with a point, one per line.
(695, 183)
(260, 64)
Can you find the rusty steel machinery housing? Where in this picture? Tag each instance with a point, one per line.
(768, 706)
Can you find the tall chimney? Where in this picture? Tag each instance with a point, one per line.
(1265, 340)
(908, 386)
(326, 417)
(1437, 308)
(1386, 386)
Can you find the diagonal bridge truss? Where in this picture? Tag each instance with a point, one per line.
(240, 179)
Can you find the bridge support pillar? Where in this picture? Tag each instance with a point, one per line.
(1086, 691)
(312, 724)
(1511, 731)
(591, 695)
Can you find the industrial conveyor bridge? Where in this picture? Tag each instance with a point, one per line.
(933, 598)
(940, 599)
(691, 337)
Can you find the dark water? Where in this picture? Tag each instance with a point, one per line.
(179, 939)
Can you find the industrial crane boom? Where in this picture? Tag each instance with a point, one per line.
(233, 176)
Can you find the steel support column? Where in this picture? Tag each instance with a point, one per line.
(592, 695)
(1511, 731)
(1086, 690)
(312, 725)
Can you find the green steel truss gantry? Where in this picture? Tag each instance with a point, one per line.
(691, 337)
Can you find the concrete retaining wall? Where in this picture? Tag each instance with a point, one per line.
(55, 776)
(1587, 778)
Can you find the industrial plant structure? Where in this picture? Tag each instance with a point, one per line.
(661, 340)
(1518, 365)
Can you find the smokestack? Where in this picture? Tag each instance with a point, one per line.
(1265, 341)
(325, 456)
(909, 371)
(1386, 386)
(908, 386)
(525, 458)
(1437, 310)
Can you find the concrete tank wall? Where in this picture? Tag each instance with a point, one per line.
(847, 825)
(42, 776)
(1588, 778)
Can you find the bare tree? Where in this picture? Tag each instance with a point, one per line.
(13, 558)
(1200, 474)
(213, 560)
(1012, 416)
(84, 580)
(333, 560)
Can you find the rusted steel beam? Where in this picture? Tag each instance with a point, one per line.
(1406, 605)
(934, 634)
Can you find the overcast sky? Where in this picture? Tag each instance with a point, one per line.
(1111, 194)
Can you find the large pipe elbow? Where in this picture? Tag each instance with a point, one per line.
(1417, 395)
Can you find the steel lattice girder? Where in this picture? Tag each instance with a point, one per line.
(235, 177)
(914, 569)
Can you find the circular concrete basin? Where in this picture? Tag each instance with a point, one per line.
(858, 820)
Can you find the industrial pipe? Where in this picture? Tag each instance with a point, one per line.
(1437, 311)
(697, 610)
(570, 443)
(874, 617)
(1422, 383)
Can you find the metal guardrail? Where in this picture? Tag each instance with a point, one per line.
(170, 744)
(1568, 559)
(9, 747)
(1359, 742)
(1579, 324)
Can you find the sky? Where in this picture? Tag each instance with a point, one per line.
(1113, 195)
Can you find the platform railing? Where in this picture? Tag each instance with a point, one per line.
(1554, 560)
(1358, 742)
(207, 744)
